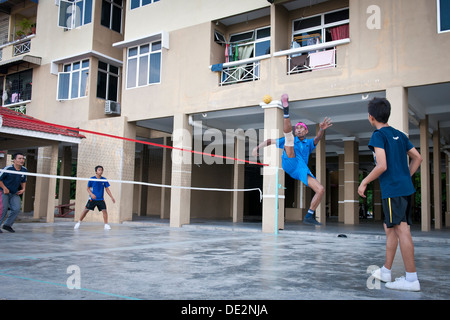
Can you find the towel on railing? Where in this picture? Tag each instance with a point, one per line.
(321, 58)
(217, 67)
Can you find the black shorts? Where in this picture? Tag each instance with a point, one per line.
(100, 204)
(397, 210)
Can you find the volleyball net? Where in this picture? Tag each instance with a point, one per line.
(142, 160)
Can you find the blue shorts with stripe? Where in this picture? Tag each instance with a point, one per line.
(397, 210)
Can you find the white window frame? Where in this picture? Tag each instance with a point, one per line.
(141, 5)
(109, 74)
(113, 4)
(74, 15)
(439, 26)
(322, 27)
(71, 73)
(253, 40)
(138, 57)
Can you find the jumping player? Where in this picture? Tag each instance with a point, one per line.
(391, 148)
(96, 191)
(296, 154)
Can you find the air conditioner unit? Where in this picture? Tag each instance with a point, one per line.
(112, 107)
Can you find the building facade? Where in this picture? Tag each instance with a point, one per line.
(192, 75)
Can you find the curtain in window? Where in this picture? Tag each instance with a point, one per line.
(340, 32)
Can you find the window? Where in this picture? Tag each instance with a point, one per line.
(144, 65)
(73, 81)
(18, 87)
(74, 13)
(107, 81)
(325, 27)
(443, 7)
(249, 44)
(139, 3)
(112, 14)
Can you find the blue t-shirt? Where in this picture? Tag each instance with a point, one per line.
(302, 149)
(13, 181)
(98, 187)
(396, 180)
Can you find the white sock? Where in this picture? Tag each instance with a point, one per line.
(385, 270)
(411, 276)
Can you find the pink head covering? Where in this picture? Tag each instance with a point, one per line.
(301, 124)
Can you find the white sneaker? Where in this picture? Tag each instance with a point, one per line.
(402, 284)
(77, 225)
(107, 227)
(382, 276)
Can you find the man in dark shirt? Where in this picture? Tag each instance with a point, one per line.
(12, 186)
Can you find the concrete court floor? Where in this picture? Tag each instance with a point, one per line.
(215, 261)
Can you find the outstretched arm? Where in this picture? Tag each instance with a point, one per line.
(323, 126)
(264, 144)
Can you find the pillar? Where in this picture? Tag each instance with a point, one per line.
(180, 200)
(398, 97)
(447, 188)
(238, 177)
(321, 176)
(425, 175)
(144, 177)
(273, 129)
(47, 163)
(351, 181)
(437, 187)
(165, 180)
(341, 201)
(65, 170)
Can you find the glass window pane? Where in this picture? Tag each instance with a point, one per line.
(101, 85)
(143, 70)
(262, 48)
(246, 36)
(103, 66)
(337, 16)
(113, 87)
(83, 84)
(132, 52)
(85, 64)
(78, 14)
(65, 14)
(156, 46)
(87, 11)
(76, 66)
(144, 49)
(307, 23)
(144, 2)
(63, 86)
(116, 19)
(105, 18)
(444, 15)
(263, 33)
(75, 85)
(135, 4)
(131, 73)
(155, 67)
(67, 67)
(113, 69)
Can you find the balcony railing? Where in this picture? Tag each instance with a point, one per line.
(21, 48)
(241, 70)
(315, 57)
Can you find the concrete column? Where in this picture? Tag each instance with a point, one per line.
(180, 200)
(144, 177)
(425, 175)
(398, 97)
(351, 181)
(437, 187)
(165, 179)
(29, 195)
(65, 170)
(273, 129)
(341, 205)
(47, 163)
(321, 176)
(238, 178)
(447, 189)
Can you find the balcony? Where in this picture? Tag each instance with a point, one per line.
(241, 71)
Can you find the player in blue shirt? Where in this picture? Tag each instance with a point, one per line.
(12, 186)
(391, 149)
(296, 155)
(96, 192)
